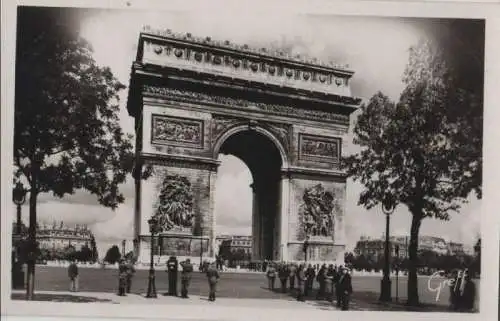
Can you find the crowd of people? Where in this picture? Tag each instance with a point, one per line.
(335, 282)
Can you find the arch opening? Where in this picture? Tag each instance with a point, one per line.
(264, 161)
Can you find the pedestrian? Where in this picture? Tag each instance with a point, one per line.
(344, 289)
(292, 270)
(283, 275)
(73, 276)
(122, 277)
(172, 270)
(301, 283)
(453, 291)
(271, 276)
(130, 274)
(321, 278)
(330, 282)
(467, 293)
(187, 270)
(310, 275)
(213, 279)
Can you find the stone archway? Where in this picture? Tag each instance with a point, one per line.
(262, 153)
(285, 118)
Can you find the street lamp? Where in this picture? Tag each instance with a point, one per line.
(306, 245)
(388, 206)
(18, 197)
(153, 229)
(201, 246)
(136, 249)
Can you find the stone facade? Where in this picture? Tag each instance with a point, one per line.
(194, 99)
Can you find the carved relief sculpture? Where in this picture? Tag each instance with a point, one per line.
(175, 205)
(282, 110)
(319, 148)
(176, 131)
(317, 211)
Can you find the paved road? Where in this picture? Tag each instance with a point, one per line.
(232, 285)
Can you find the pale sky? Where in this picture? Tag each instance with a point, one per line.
(375, 48)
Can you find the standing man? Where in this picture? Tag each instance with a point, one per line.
(122, 277)
(271, 276)
(344, 289)
(292, 270)
(330, 278)
(301, 283)
(130, 274)
(187, 270)
(172, 269)
(213, 278)
(467, 293)
(73, 276)
(283, 275)
(310, 275)
(321, 278)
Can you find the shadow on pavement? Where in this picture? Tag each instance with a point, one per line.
(59, 298)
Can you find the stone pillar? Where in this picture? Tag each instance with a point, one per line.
(212, 177)
(255, 224)
(284, 214)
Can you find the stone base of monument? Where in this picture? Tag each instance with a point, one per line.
(182, 246)
(318, 251)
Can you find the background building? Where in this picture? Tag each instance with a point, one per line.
(374, 247)
(236, 247)
(60, 236)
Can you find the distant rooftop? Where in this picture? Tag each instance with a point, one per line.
(281, 54)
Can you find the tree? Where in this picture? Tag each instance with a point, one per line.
(113, 255)
(67, 134)
(84, 254)
(422, 152)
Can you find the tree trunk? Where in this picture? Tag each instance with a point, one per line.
(30, 282)
(413, 299)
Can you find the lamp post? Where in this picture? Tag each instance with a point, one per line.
(153, 228)
(18, 197)
(306, 245)
(388, 206)
(201, 246)
(136, 249)
(123, 248)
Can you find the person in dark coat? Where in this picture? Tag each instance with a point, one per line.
(301, 283)
(271, 276)
(310, 275)
(321, 278)
(283, 275)
(344, 289)
(292, 270)
(187, 271)
(330, 277)
(130, 274)
(467, 293)
(73, 276)
(122, 278)
(172, 270)
(213, 279)
(453, 290)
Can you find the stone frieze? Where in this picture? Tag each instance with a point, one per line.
(280, 110)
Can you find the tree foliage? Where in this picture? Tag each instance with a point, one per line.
(67, 134)
(425, 150)
(113, 255)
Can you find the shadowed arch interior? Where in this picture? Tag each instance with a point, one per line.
(264, 161)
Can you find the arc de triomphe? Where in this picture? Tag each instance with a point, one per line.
(285, 117)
